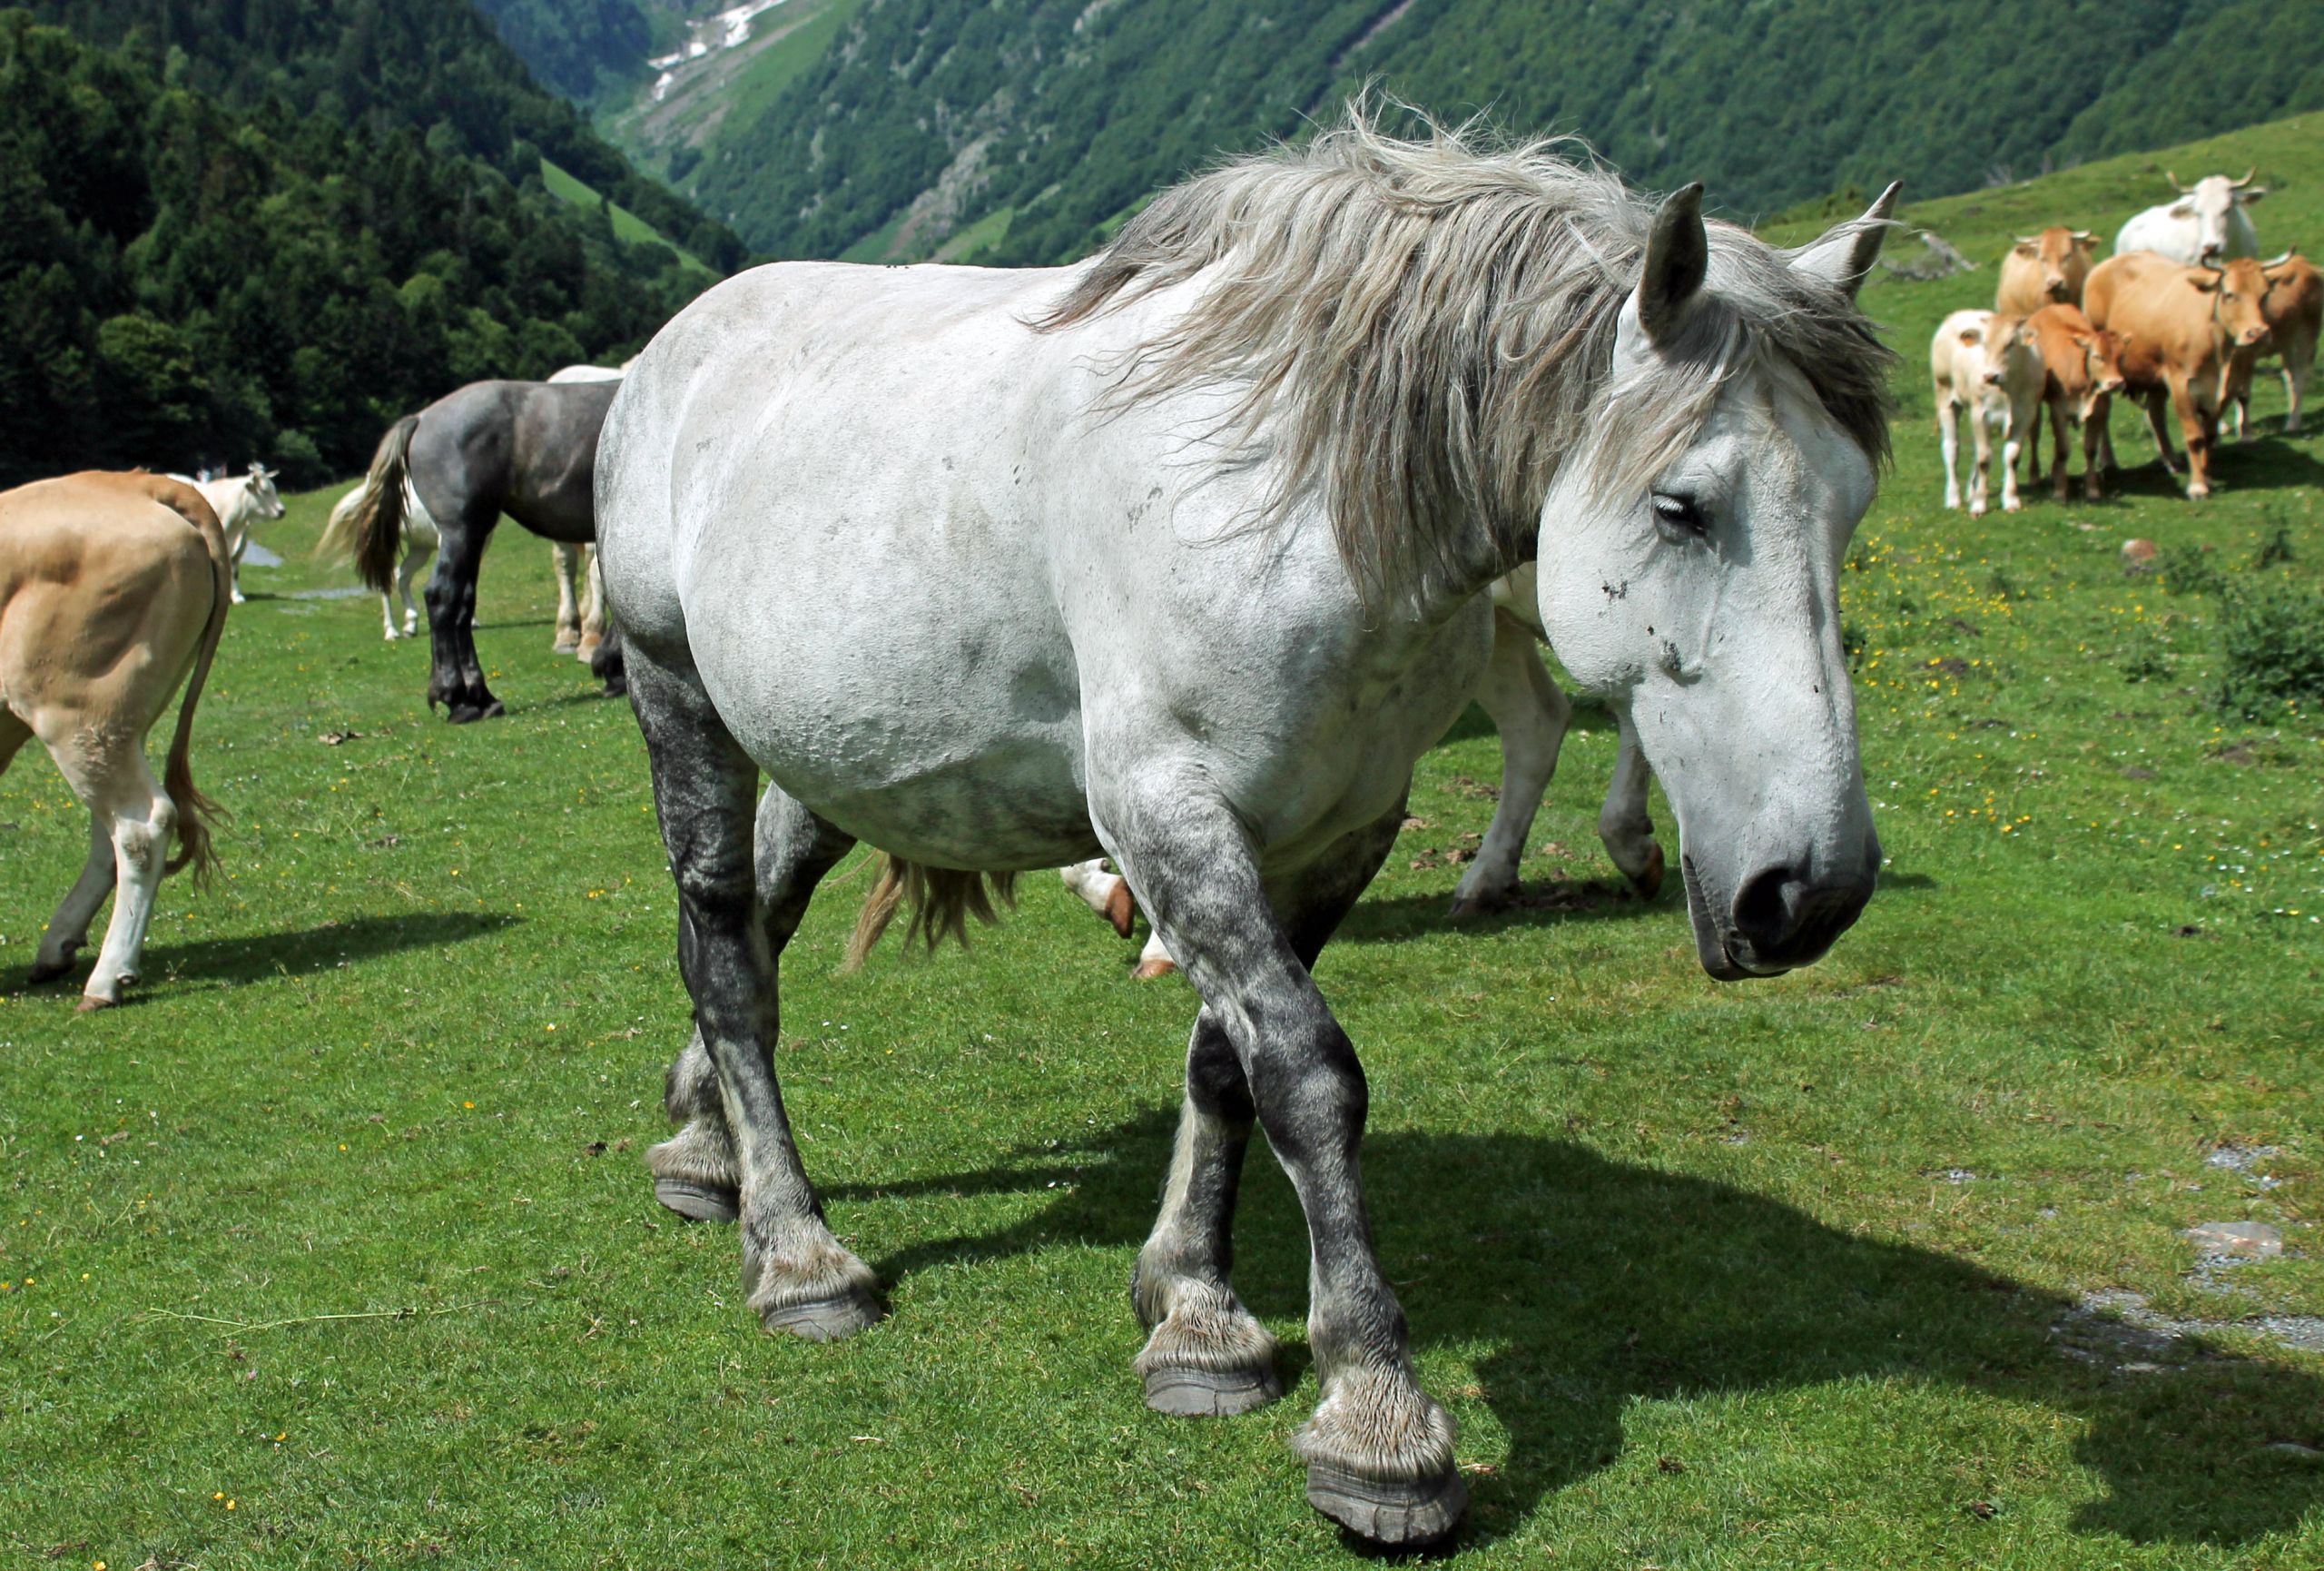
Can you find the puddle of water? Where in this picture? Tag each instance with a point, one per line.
(346, 592)
(257, 556)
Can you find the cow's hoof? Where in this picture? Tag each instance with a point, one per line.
(1185, 1393)
(1648, 882)
(90, 1003)
(1147, 970)
(1407, 1514)
(1120, 909)
(698, 1202)
(825, 1319)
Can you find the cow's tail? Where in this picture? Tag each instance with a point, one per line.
(196, 811)
(370, 533)
(943, 899)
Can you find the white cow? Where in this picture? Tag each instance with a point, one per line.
(1530, 712)
(2206, 226)
(238, 500)
(1990, 366)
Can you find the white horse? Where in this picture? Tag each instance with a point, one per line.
(1179, 556)
(421, 541)
(1529, 712)
(238, 500)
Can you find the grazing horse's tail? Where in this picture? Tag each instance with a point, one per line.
(943, 899)
(370, 533)
(195, 811)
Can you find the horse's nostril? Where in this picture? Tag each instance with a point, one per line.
(1789, 918)
(1763, 910)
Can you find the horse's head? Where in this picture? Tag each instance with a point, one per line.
(260, 483)
(1690, 563)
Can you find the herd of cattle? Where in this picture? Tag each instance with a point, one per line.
(113, 588)
(2181, 311)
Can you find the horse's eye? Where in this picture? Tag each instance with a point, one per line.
(1679, 515)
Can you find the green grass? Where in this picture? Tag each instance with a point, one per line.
(772, 68)
(1777, 1275)
(627, 225)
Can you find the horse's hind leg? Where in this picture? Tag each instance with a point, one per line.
(455, 677)
(798, 1278)
(568, 601)
(1379, 1450)
(1530, 713)
(593, 607)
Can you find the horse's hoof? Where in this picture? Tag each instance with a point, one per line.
(1147, 970)
(1397, 1514)
(1120, 909)
(698, 1202)
(1186, 1393)
(49, 970)
(615, 688)
(565, 645)
(825, 1319)
(1648, 883)
(1468, 907)
(90, 1003)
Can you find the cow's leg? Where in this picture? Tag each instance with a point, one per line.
(1622, 823)
(798, 1277)
(1981, 434)
(237, 539)
(567, 558)
(1103, 892)
(696, 1171)
(593, 606)
(2093, 437)
(2299, 357)
(1948, 429)
(68, 929)
(455, 677)
(2151, 400)
(1379, 1450)
(1530, 712)
(107, 770)
(2061, 483)
(2011, 442)
(2199, 426)
(2032, 443)
(1154, 960)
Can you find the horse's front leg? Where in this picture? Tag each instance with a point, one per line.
(1379, 1450)
(1530, 712)
(798, 1278)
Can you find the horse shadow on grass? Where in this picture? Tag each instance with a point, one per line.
(1597, 1284)
(257, 956)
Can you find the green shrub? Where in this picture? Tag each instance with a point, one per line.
(2275, 550)
(2272, 640)
(2190, 570)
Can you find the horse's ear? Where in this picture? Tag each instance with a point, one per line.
(1846, 252)
(1677, 258)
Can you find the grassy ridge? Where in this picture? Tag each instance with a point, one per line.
(627, 225)
(1786, 1274)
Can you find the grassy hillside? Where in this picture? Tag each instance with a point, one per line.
(936, 115)
(335, 1248)
(626, 225)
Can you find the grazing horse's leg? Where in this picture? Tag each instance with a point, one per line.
(1379, 1450)
(798, 1278)
(696, 1171)
(593, 606)
(568, 597)
(1622, 823)
(456, 677)
(1530, 713)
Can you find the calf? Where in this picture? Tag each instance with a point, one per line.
(2046, 269)
(2082, 372)
(1984, 363)
(2184, 330)
(238, 500)
(2294, 307)
(113, 590)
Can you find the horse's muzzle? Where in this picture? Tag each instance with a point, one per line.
(1781, 919)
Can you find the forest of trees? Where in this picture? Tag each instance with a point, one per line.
(1062, 113)
(584, 49)
(211, 262)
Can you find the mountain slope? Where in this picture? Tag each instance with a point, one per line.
(1039, 121)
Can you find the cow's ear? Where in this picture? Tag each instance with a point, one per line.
(1847, 251)
(2087, 238)
(2027, 249)
(2087, 344)
(2183, 210)
(2249, 195)
(2206, 280)
(1973, 335)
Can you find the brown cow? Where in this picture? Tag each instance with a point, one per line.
(2183, 330)
(2082, 366)
(112, 588)
(2046, 269)
(2294, 307)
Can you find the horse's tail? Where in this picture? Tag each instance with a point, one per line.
(943, 899)
(195, 811)
(370, 533)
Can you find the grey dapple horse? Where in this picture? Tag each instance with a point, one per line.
(529, 449)
(1178, 555)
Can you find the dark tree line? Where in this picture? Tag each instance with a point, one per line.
(184, 283)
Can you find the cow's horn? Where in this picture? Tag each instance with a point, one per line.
(2182, 190)
(2248, 174)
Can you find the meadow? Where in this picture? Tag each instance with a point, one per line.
(336, 1246)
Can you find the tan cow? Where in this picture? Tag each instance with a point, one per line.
(112, 588)
(2184, 330)
(1984, 363)
(2082, 372)
(2045, 269)
(2294, 307)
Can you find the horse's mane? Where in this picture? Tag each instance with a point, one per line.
(1422, 332)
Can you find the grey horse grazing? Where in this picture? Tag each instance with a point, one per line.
(529, 449)
(1178, 554)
